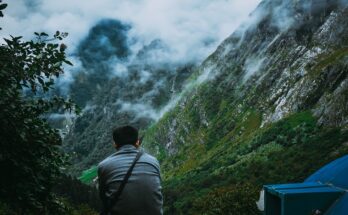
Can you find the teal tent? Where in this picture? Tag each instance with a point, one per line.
(334, 174)
(325, 193)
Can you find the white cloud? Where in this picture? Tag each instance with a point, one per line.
(252, 66)
(185, 25)
(139, 109)
(189, 30)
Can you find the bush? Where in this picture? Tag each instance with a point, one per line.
(237, 200)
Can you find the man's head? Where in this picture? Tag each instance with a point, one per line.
(125, 135)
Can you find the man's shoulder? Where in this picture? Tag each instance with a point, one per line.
(105, 162)
(148, 158)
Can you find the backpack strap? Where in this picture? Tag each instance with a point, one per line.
(115, 196)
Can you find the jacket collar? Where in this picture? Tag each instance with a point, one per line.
(127, 147)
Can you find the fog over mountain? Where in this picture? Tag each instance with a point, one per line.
(192, 29)
(108, 39)
(132, 59)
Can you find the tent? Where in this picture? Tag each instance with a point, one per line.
(324, 192)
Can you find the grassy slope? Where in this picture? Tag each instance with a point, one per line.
(287, 151)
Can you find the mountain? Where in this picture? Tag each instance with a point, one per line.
(116, 86)
(270, 105)
(273, 108)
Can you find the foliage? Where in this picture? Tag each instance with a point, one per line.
(237, 200)
(77, 193)
(287, 151)
(84, 210)
(30, 155)
(4, 209)
(328, 59)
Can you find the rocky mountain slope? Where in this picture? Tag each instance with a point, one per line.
(273, 108)
(270, 105)
(275, 70)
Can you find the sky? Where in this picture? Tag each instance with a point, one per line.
(192, 28)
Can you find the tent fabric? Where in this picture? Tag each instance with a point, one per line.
(334, 174)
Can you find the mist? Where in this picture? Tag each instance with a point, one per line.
(252, 66)
(145, 43)
(191, 28)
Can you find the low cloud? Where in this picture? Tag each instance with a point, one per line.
(140, 110)
(192, 28)
(252, 66)
(165, 35)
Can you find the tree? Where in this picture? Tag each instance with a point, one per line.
(30, 155)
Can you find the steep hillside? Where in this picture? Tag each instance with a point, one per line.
(271, 107)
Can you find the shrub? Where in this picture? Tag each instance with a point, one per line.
(237, 200)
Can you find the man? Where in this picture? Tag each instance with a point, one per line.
(142, 193)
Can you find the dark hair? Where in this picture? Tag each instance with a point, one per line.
(125, 135)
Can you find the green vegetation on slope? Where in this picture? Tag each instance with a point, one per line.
(287, 151)
(326, 60)
(232, 153)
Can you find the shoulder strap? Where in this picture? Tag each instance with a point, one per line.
(115, 196)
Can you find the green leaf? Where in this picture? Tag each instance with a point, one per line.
(17, 38)
(41, 81)
(8, 41)
(68, 62)
(3, 6)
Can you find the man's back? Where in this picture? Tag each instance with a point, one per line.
(142, 193)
